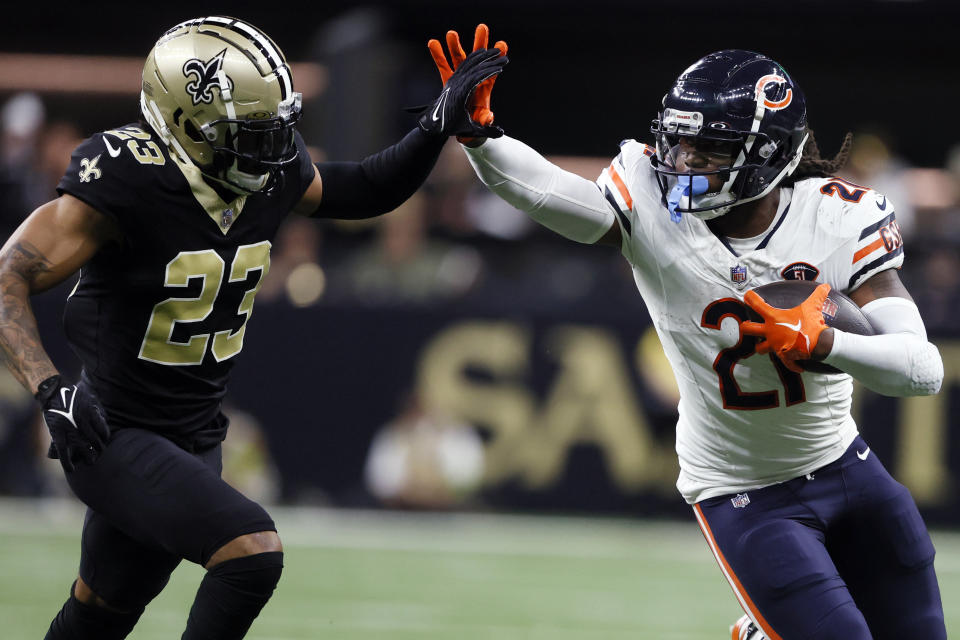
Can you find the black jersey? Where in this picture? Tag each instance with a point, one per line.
(158, 319)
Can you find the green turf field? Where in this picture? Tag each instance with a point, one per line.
(364, 575)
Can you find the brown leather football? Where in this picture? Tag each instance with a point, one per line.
(839, 312)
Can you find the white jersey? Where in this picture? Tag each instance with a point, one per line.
(746, 421)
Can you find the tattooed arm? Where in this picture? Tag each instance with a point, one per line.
(56, 240)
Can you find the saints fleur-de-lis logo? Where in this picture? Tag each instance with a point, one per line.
(203, 77)
(89, 169)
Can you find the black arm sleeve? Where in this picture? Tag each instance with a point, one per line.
(378, 183)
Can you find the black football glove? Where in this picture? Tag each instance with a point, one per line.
(450, 114)
(75, 420)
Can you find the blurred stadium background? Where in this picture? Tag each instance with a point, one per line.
(465, 422)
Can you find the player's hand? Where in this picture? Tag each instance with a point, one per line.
(479, 101)
(467, 83)
(791, 334)
(75, 420)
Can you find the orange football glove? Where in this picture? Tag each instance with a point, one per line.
(791, 334)
(479, 103)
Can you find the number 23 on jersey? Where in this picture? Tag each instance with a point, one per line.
(158, 344)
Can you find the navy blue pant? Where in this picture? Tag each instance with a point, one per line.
(840, 554)
(152, 504)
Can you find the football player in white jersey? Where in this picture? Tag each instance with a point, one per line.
(814, 536)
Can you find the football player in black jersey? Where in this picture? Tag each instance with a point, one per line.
(170, 222)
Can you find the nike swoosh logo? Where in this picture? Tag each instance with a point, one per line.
(113, 152)
(794, 327)
(68, 414)
(863, 456)
(882, 205)
(439, 108)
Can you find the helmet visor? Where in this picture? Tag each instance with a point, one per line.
(267, 143)
(260, 145)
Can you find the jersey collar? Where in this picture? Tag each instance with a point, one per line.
(222, 213)
(786, 197)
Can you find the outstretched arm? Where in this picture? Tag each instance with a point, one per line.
(50, 246)
(559, 200)
(376, 185)
(383, 181)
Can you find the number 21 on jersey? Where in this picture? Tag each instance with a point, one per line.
(158, 344)
(726, 360)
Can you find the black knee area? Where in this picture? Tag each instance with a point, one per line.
(256, 574)
(231, 595)
(79, 621)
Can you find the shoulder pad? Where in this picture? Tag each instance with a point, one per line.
(106, 169)
(846, 209)
(117, 153)
(629, 185)
(632, 148)
(134, 145)
(863, 220)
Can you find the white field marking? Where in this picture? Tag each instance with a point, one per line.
(421, 532)
(468, 533)
(490, 534)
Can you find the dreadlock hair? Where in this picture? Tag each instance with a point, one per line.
(813, 166)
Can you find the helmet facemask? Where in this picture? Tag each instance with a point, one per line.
(249, 153)
(738, 104)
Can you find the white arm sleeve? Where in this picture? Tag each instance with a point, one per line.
(898, 361)
(559, 200)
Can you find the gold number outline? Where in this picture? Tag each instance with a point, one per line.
(140, 145)
(249, 257)
(157, 345)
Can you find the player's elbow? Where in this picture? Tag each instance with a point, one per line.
(919, 374)
(912, 367)
(926, 371)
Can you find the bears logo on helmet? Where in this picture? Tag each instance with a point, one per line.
(774, 79)
(745, 102)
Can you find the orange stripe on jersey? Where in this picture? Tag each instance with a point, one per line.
(621, 187)
(867, 250)
(738, 589)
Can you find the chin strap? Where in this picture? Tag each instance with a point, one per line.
(243, 183)
(236, 180)
(714, 198)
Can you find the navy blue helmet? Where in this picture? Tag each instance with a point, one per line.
(739, 102)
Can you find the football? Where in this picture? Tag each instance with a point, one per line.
(839, 311)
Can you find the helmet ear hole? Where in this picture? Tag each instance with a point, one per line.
(191, 130)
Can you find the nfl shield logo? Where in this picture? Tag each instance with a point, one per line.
(738, 275)
(740, 500)
(830, 309)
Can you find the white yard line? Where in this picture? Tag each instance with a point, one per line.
(468, 533)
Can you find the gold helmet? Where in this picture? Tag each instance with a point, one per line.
(219, 92)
